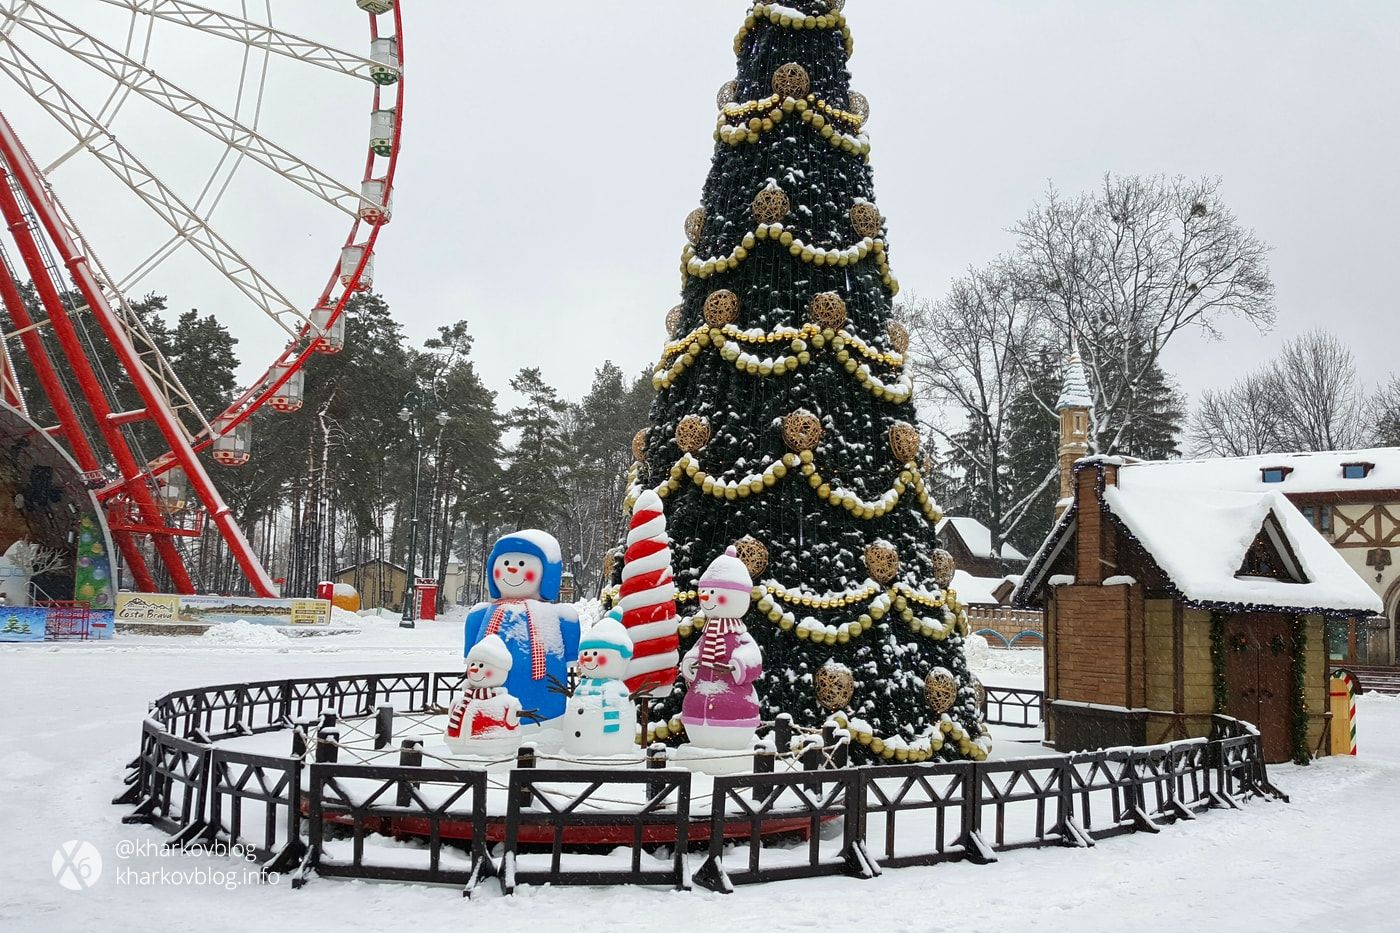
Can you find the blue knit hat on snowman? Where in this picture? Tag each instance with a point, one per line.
(540, 544)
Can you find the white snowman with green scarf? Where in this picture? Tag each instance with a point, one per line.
(601, 717)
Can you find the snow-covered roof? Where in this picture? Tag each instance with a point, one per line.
(1199, 536)
(978, 538)
(1075, 391)
(976, 591)
(1313, 472)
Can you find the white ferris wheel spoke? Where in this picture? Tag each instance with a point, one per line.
(259, 35)
(234, 134)
(154, 361)
(187, 224)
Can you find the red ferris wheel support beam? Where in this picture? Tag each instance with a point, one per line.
(72, 346)
(156, 410)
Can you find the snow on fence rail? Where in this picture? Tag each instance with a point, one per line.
(308, 813)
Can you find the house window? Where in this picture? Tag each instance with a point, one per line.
(1275, 474)
(1357, 470)
(1319, 516)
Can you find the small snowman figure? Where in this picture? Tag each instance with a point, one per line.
(720, 710)
(485, 720)
(600, 716)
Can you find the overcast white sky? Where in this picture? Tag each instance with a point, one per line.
(552, 150)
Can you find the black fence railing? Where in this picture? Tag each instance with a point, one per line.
(309, 813)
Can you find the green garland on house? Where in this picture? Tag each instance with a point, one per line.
(1217, 661)
(1302, 755)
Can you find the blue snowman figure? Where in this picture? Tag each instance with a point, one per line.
(542, 635)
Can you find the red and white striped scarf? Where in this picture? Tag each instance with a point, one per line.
(713, 651)
(537, 668)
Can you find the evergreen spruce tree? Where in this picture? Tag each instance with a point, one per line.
(783, 415)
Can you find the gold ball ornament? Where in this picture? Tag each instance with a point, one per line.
(721, 308)
(754, 555)
(865, 219)
(673, 321)
(692, 433)
(695, 226)
(859, 105)
(639, 445)
(802, 431)
(898, 335)
(835, 685)
(771, 205)
(943, 567)
(609, 564)
(979, 692)
(828, 311)
(836, 6)
(791, 80)
(728, 94)
(882, 562)
(904, 441)
(941, 691)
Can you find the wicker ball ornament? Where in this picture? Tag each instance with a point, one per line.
(692, 433)
(943, 567)
(979, 692)
(941, 691)
(865, 219)
(882, 562)
(791, 80)
(609, 565)
(859, 105)
(898, 336)
(754, 555)
(828, 311)
(673, 321)
(695, 226)
(771, 205)
(728, 94)
(904, 441)
(639, 445)
(836, 6)
(802, 430)
(721, 308)
(835, 685)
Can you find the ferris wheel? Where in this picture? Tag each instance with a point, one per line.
(214, 145)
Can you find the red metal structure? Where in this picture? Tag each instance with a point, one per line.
(76, 304)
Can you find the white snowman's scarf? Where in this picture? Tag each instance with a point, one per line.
(713, 650)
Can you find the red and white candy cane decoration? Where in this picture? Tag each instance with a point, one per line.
(648, 600)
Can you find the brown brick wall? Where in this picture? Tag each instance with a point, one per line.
(1091, 652)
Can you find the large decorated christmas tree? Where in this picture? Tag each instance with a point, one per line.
(783, 421)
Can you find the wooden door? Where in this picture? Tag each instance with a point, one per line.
(1258, 671)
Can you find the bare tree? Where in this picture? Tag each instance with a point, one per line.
(35, 559)
(1320, 402)
(968, 355)
(1382, 414)
(1306, 398)
(1238, 421)
(1128, 268)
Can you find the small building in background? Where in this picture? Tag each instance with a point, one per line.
(970, 543)
(1165, 604)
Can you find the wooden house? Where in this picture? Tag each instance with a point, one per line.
(970, 543)
(1165, 604)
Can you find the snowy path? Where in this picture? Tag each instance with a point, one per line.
(1325, 862)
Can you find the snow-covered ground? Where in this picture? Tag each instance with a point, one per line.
(1324, 862)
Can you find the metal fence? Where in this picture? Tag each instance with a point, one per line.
(308, 813)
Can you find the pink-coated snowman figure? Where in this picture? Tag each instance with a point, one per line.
(485, 720)
(720, 709)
